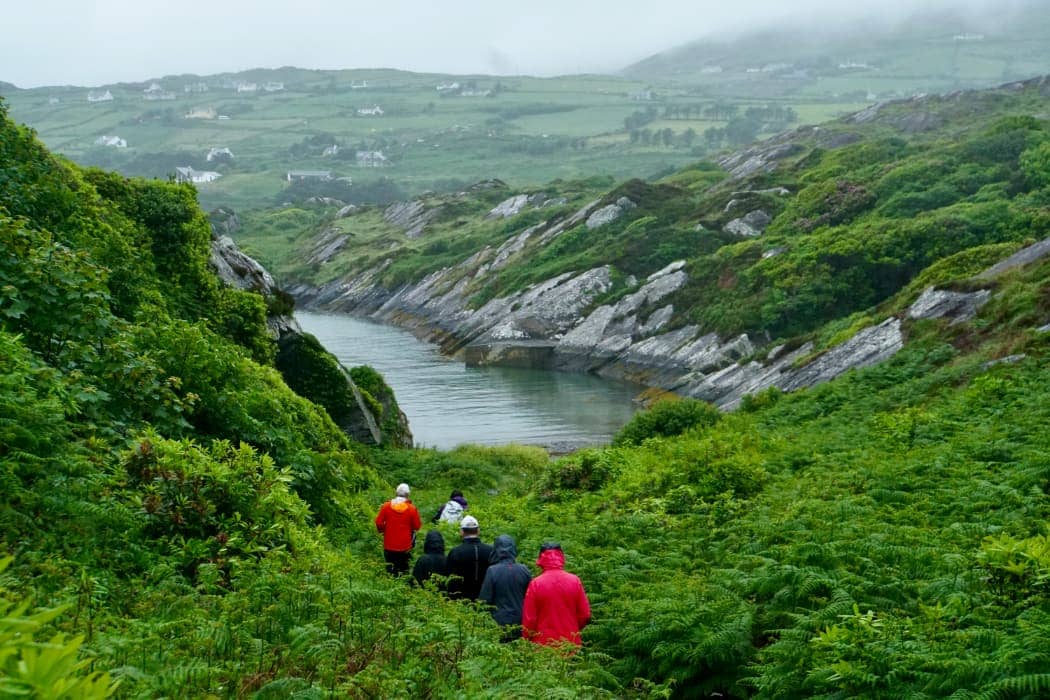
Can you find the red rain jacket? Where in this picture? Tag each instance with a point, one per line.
(556, 606)
(398, 520)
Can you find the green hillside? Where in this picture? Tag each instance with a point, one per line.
(856, 211)
(183, 524)
(874, 58)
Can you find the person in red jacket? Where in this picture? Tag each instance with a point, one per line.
(556, 606)
(398, 520)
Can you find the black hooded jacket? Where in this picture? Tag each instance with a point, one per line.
(433, 560)
(505, 582)
(467, 564)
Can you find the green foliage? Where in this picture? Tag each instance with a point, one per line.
(43, 668)
(1035, 164)
(213, 506)
(382, 403)
(667, 418)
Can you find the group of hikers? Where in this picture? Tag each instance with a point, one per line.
(549, 609)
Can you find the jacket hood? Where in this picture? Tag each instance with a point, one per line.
(434, 543)
(504, 548)
(460, 500)
(400, 504)
(551, 559)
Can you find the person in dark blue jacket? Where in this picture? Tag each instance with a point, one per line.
(504, 586)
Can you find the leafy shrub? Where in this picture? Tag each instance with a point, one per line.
(586, 470)
(213, 506)
(667, 417)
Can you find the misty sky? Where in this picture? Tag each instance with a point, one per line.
(92, 42)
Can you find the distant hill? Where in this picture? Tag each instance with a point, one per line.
(933, 52)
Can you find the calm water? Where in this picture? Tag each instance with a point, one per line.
(448, 404)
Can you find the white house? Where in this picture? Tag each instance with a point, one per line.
(273, 86)
(332, 150)
(114, 141)
(188, 174)
(196, 87)
(373, 111)
(355, 85)
(247, 87)
(53, 100)
(215, 153)
(371, 159)
(448, 87)
(106, 96)
(156, 92)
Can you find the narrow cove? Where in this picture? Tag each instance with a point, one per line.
(449, 404)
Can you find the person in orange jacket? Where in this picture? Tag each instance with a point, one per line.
(398, 520)
(556, 606)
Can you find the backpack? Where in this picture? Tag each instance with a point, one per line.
(452, 512)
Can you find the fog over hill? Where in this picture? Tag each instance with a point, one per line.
(53, 42)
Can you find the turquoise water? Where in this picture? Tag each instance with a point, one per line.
(448, 403)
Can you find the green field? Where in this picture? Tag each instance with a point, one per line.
(519, 129)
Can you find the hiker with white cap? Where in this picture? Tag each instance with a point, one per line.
(398, 520)
(468, 561)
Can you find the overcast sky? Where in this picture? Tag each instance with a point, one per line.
(92, 42)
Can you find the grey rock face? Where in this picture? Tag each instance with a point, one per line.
(870, 346)
(513, 246)
(327, 246)
(237, 269)
(749, 226)
(606, 215)
(346, 211)
(760, 158)
(1008, 360)
(1028, 255)
(412, 217)
(957, 306)
(508, 207)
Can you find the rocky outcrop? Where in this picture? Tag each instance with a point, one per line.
(1025, 256)
(238, 270)
(327, 245)
(609, 213)
(309, 369)
(411, 217)
(751, 225)
(509, 207)
(957, 306)
(556, 325)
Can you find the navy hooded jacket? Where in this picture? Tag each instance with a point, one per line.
(505, 582)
